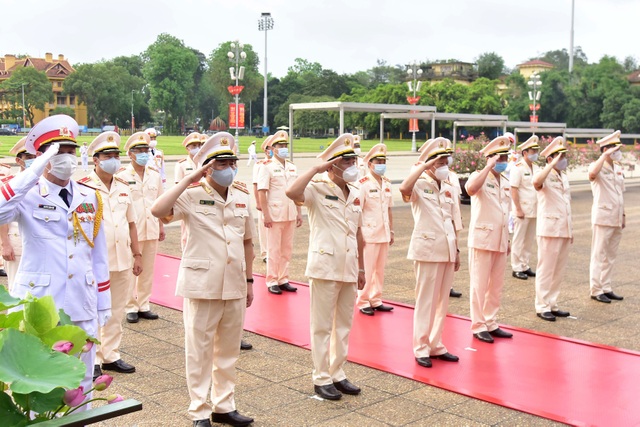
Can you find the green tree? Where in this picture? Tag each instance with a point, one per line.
(170, 68)
(631, 111)
(554, 103)
(516, 100)
(37, 90)
(490, 65)
(560, 58)
(133, 64)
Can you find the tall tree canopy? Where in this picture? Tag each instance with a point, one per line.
(490, 65)
(38, 91)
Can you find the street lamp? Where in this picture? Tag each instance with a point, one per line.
(236, 54)
(265, 24)
(133, 126)
(534, 95)
(414, 71)
(24, 125)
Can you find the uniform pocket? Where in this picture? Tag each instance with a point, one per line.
(196, 263)
(42, 230)
(205, 210)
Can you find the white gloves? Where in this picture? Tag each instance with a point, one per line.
(42, 161)
(103, 315)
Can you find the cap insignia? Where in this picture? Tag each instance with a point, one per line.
(141, 138)
(347, 141)
(224, 141)
(110, 138)
(64, 131)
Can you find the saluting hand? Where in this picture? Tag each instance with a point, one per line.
(491, 161)
(199, 173)
(609, 151)
(326, 165)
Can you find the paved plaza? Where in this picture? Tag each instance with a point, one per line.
(274, 379)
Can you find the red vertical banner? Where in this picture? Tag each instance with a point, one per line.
(413, 125)
(232, 115)
(241, 115)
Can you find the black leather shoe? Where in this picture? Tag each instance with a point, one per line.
(560, 313)
(287, 287)
(202, 423)
(529, 272)
(329, 392)
(447, 357)
(611, 295)
(367, 310)
(232, 418)
(3, 273)
(149, 315)
(454, 294)
(119, 366)
(425, 362)
(383, 307)
(601, 298)
(275, 289)
(520, 275)
(132, 317)
(245, 345)
(547, 315)
(346, 387)
(96, 371)
(500, 333)
(484, 336)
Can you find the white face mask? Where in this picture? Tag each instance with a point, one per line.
(616, 156)
(350, 174)
(357, 151)
(63, 166)
(562, 164)
(449, 161)
(110, 165)
(224, 177)
(153, 143)
(194, 151)
(533, 157)
(442, 173)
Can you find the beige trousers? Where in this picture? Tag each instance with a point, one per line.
(604, 249)
(375, 260)
(433, 282)
(279, 250)
(486, 271)
(331, 318)
(262, 235)
(141, 286)
(111, 333)
(524, 236)
(553, 254)
(212, 332)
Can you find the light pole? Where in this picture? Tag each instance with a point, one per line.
(414, 71)
(133, 126)
(573, 7)
(236, 54)
(24, 114)
(534, 95)
(265, 24)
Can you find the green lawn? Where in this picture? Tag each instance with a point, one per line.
(173, 144)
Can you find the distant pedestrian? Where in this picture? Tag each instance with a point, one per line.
(84, 157)
(253, 157)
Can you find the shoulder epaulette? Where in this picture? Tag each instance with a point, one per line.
(5, 165)
(87, 182)
(365, 179)
(6, 178)
(240, 186)
(319, 179)
(122, 169)
(182, 160)
(384, 178)
(124, 181)
(152, 168)
(266, 162)
(353, 185)
(194, 185)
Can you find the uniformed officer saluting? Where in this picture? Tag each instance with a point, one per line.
(63, 239)
(215, 276)
(335, 264)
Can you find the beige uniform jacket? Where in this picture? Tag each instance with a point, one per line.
(608, 201)
(434, 236)
(376, 200)
(488, 227)
(333, 223)
(118, 212)
(144, 193)
(213, 264)
(521, 177)
(183, 168)
(455, 183)
(275, 178)
(554, 207)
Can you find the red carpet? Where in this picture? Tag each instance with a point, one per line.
(558, 378)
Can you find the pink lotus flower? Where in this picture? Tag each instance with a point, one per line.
(74, 397)
(102, 382)
(87, 347)
(114, 398)
(63, 346)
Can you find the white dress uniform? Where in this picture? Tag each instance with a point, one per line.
(377, 199)
(84, 157)
(554, 230)
(607, 219)
(143, 193)
(524, 229)
(69, 253)
(212, 281)
(433, 250)
(488, 243)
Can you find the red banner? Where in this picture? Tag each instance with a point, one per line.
(531, 107)
(413, 125)
(232, 116)
(413, 100)
(235, 90)
(533, 119)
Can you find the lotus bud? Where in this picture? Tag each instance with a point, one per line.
(114, 398)
(102, 382)
(87, 347)
(74, 397)
(63, 346)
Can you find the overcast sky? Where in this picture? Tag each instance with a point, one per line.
(343, 35)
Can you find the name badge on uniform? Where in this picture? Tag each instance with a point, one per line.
(491, 186)
(207, 202)
(124, 195)
(277, 170)
(331, 197)
(48, 207)
(373, 190)
(426, 190)
(527, 174)
(131, 182)
(241, 206)
(189, 169)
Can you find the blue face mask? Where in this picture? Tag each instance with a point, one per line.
(142, 158)
(224, 177)
(283, 152)
(28, 162)
(500, 167)
(380, 169)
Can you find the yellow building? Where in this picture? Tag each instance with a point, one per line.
(533, 66)
(56, 70)
(634, 78)
(459, 72)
